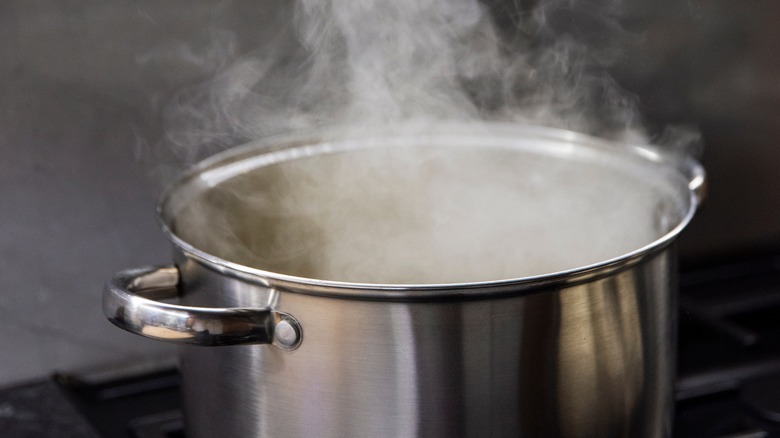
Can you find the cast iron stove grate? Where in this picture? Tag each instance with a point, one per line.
(729, 349)
(144, 406)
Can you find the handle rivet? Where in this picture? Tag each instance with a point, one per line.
(285, 333)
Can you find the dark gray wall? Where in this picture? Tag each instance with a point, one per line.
(79, 87)
(716, 64)
(79, 82)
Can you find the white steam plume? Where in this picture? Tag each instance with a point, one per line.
(362, 64)
(357, 63)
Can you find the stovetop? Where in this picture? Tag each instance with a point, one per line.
(728, 381)
(729, 349)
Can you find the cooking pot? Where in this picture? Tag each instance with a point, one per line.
(436, 281)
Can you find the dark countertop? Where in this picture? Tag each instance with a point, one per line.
(40, 410)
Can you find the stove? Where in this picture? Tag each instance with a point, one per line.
(729, 349)
(728, 367)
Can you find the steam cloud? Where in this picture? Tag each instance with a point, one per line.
(353, 63)
(371, 63)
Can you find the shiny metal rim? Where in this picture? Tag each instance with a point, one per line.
(688, 168)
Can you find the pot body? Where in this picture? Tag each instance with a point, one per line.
(593, 359)
(580, 348)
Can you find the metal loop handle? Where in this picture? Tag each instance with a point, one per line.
(130, 302)
(697, 181)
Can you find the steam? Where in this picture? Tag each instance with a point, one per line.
(407, 216)
(426, 211)
(372, 62)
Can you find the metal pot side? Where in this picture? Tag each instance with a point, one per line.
(582, 353)
(590, 360)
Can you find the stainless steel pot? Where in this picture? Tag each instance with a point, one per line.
(561, 350)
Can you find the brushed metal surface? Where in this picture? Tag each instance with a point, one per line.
(590, 360)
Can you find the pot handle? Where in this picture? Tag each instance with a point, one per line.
(130, 302)
(697, 180)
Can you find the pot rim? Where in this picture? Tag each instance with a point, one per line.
(269, 149)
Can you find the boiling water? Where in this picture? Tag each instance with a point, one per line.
(417, 215)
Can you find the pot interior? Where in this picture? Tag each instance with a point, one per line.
(429, 210)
